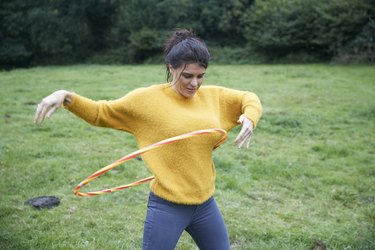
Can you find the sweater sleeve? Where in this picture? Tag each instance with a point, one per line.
(114, 114)
(251, 107)
(238, 103)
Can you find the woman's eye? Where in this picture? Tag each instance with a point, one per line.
(189, 76)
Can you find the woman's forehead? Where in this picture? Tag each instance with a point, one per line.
(193, 68)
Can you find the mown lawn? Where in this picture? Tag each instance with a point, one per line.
(307, 181)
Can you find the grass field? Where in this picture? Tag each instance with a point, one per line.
(306, 182)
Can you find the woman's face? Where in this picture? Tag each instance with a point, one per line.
(187, 79)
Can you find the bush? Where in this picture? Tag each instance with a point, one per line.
(281, 27)
(146, 43)
(120, 55)
(58, 32)
(235, 55)
(361, 49)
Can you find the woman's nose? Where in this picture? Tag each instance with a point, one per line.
(194, 82)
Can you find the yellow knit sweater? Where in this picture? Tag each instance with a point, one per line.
(184, 171)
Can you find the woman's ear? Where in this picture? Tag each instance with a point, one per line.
(170, 69)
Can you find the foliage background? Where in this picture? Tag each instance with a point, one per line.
(37, 32)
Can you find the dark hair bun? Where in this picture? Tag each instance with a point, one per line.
(184, 33)
(177, 36)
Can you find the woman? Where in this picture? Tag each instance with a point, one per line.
(182, 191)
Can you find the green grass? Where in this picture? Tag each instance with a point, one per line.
(308, 178)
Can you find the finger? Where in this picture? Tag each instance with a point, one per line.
(240, 145)
(37, 114)
(240, 135)
(51, 111)
(248, 140)
(244, 133)
(242, 142)
(245, 138)
(43, 113)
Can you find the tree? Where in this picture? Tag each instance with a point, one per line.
(56, 31)
(281, 27)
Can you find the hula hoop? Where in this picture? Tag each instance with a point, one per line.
(137, 153)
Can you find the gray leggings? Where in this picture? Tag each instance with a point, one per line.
(165, 222)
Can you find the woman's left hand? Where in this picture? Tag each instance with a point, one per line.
(245, 133)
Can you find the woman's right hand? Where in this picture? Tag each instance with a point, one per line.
(50, 104)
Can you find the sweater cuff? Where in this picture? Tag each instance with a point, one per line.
(71, 103)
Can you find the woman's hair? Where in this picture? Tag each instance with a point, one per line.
(184, 47)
